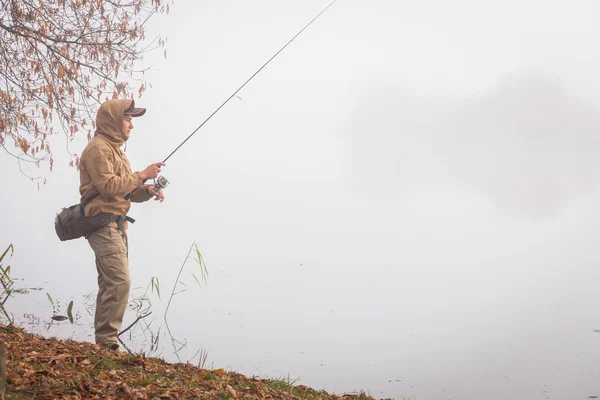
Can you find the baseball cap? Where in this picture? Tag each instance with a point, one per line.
(135, 112)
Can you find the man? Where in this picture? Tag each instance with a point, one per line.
(106, 177)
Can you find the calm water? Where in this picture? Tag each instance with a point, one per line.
(434, 294)
(446, 252)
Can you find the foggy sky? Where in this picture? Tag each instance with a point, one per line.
(404, 201)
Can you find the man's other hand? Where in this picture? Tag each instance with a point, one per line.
(157, 194)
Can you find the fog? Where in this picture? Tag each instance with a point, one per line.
(404, 201)
(526, 143)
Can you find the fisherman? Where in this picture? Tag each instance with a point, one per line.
(106, 177)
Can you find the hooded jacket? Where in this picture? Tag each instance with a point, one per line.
(104, 167)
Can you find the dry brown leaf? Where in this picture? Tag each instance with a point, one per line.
(13, 379)
(69, 370)
(230, 390)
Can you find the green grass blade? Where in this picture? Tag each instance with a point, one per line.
(155, 285)
(51, 301)
(70, 311)
(12, 251)
(199, 284)
(200, 260)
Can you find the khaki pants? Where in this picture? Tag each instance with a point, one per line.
(111, 249)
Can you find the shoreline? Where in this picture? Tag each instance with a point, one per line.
(50, 368)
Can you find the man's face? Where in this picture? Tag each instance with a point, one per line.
(126, 127)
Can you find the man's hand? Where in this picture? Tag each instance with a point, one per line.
(157, 194)
(152, 170)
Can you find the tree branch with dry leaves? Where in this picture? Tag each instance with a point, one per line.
(61, 59)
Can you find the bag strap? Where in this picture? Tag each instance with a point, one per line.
(119, 219)
(83, 203)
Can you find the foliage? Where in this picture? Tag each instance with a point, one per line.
(283, 384)
(155, 285)
(56, 307)
(142, 305)
(7, 283)
(50, 368)
(70, 311)
(193, 254)
(62, 58)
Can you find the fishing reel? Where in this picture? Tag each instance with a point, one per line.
(160, 183)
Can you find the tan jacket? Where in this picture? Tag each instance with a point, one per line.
(104, 167)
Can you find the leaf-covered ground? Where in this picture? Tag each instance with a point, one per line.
(40, 368)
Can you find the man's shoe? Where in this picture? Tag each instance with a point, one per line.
(111, 346)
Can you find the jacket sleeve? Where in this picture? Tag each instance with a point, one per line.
(100, 165)
(141, 194)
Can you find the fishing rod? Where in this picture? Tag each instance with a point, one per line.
(161, 182)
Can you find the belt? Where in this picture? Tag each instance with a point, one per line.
(119, 219)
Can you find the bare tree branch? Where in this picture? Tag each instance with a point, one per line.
(61, 59)
(133, 323)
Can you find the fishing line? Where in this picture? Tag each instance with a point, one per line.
(162, 181)
(249, 79)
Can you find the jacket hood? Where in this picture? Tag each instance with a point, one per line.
(109, 119)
